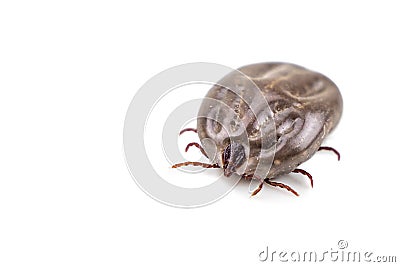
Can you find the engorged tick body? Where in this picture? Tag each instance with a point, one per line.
(304, 105)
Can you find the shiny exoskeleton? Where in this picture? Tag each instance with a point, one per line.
(305, 107)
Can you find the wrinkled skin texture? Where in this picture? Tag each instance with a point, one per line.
(305, 107)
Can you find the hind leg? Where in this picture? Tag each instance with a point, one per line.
(330, 149)
(306, 174)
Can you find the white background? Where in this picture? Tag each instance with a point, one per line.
(68, 71)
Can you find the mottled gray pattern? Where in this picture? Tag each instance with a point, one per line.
(305, 107)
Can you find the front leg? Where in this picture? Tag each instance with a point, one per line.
(195, 163)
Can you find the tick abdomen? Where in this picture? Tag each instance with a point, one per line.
(305, 106)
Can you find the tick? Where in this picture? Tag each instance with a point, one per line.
(305, 107)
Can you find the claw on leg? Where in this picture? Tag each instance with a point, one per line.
(195, 163)
(188, 130)
(305, 173)
(330, 149)
(288, 188)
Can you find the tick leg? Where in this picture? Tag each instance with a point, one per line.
(305, 173)
(255, 192)
(198, 146)
(247, 176)
(330, 149)
(288, 188)
(188, 130)
(258, 189)
(194, 163)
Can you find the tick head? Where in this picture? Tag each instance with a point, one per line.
(233, 157)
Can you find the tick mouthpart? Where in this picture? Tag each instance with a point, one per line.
(228, 172)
